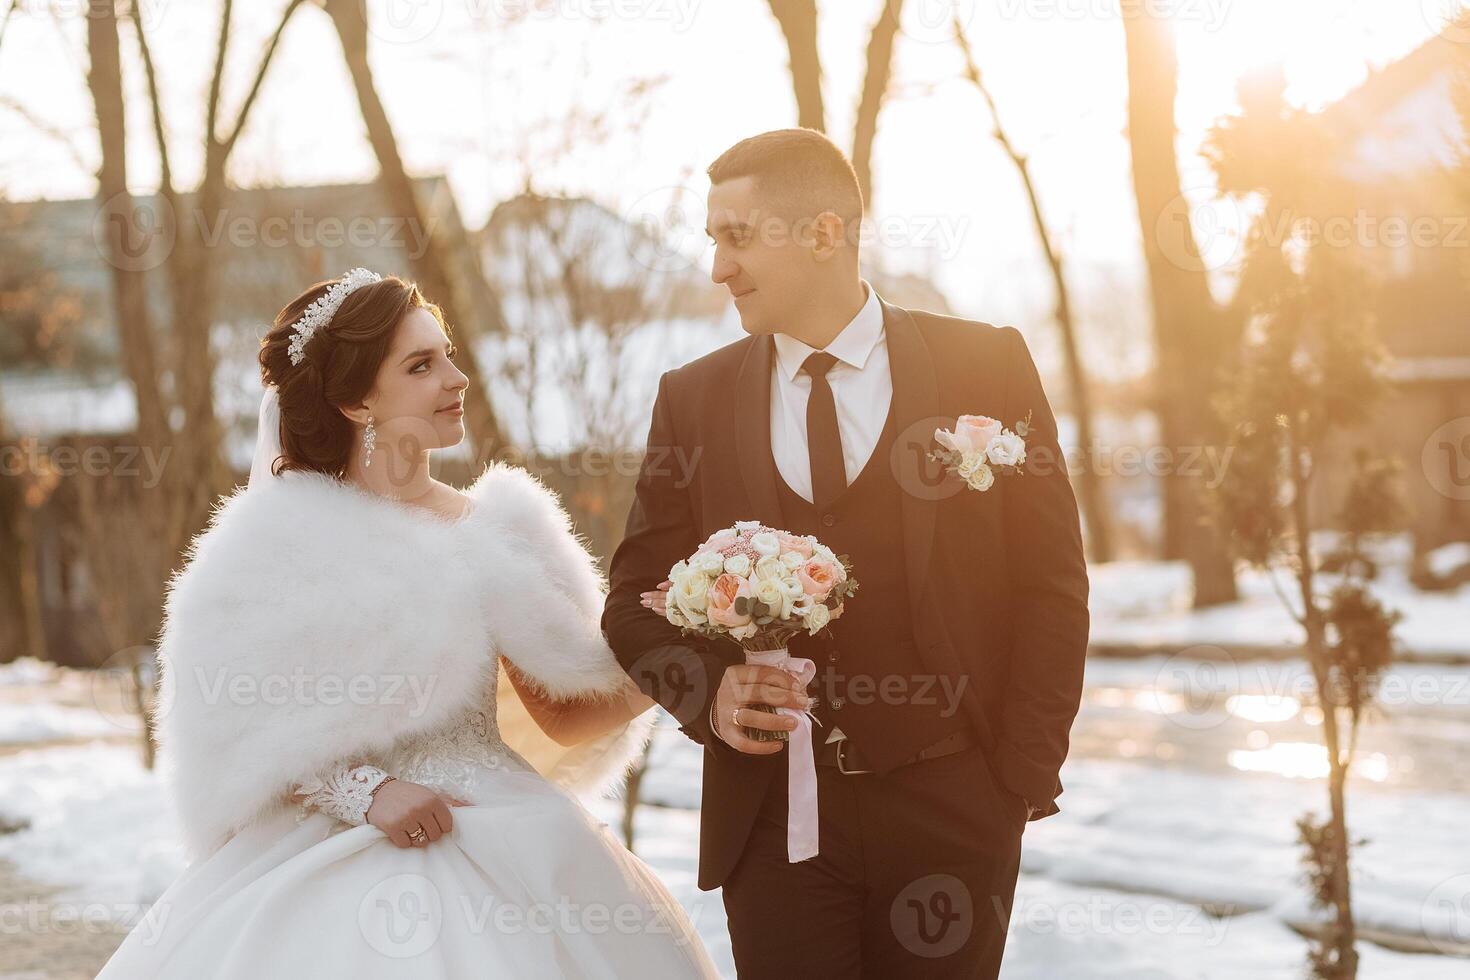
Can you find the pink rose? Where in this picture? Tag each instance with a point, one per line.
(796, 543)
(972, 433)
(817, 578)
(718, 541)
(720, 604)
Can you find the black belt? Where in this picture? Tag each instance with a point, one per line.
(850, 761)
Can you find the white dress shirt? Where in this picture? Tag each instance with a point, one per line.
(861, 386)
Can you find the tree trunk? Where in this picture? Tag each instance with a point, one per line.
(1344, 931)
(798, 20)
(20, 600)
(875, 88)
(433, 267)
(1091, 496)
(1190, 334)
(120, 224)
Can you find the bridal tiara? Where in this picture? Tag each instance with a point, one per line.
(319, 313)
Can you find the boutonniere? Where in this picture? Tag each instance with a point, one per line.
(980, 448)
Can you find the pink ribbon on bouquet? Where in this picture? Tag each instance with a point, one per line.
(801, 763)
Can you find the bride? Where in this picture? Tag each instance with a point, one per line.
(358, 795)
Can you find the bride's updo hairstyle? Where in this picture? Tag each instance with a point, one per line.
(339, 368)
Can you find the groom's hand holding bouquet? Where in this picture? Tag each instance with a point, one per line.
(757, 586)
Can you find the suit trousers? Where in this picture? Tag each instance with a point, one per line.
(915, 876)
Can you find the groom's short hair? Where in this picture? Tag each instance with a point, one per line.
(800, 171)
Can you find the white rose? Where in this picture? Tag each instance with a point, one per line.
(766, 544)
(709, 563)
(792, 560)
(977, 473)
(747, 525)
(803, 605)
(689, 593)
(1007, 449)
(769, 592)
(769, 568)
(791, 590)
(738, 565)
(825, 553)
(819, 616)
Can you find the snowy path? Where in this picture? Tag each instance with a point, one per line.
(1180, 796)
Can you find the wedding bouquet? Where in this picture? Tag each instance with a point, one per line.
(760, 586)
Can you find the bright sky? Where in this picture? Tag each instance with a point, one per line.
(487, 98)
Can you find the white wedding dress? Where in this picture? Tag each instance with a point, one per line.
(528, 884)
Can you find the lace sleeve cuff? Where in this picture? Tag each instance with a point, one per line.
(344, 793)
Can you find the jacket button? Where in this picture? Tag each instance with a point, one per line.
(838, 703)
(829, 519)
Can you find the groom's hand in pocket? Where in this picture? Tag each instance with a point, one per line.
(401, 807)
(747, 684)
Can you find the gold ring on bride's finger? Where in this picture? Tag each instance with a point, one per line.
(418, 835)
(735, 717)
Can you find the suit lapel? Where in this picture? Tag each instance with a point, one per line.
(917, 413)
(753, 432)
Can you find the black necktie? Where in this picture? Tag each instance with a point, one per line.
(823, 440)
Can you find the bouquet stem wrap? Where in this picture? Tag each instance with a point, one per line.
(801, 763)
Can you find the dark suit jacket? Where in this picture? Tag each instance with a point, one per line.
(997, 581)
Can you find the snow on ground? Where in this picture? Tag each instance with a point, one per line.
(1109, 887)
(1147, 604)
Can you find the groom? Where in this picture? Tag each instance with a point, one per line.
(945, 692)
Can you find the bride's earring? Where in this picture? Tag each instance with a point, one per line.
(369, 441)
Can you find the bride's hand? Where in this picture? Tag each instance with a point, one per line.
(655, 600)
(400, 808)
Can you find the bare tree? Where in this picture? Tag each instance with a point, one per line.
(875, 91)
(1090, 489)
(798, 21)
(433, 266)
(192, 266)
(129, 290)
(21, 630)
(1191, 334)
